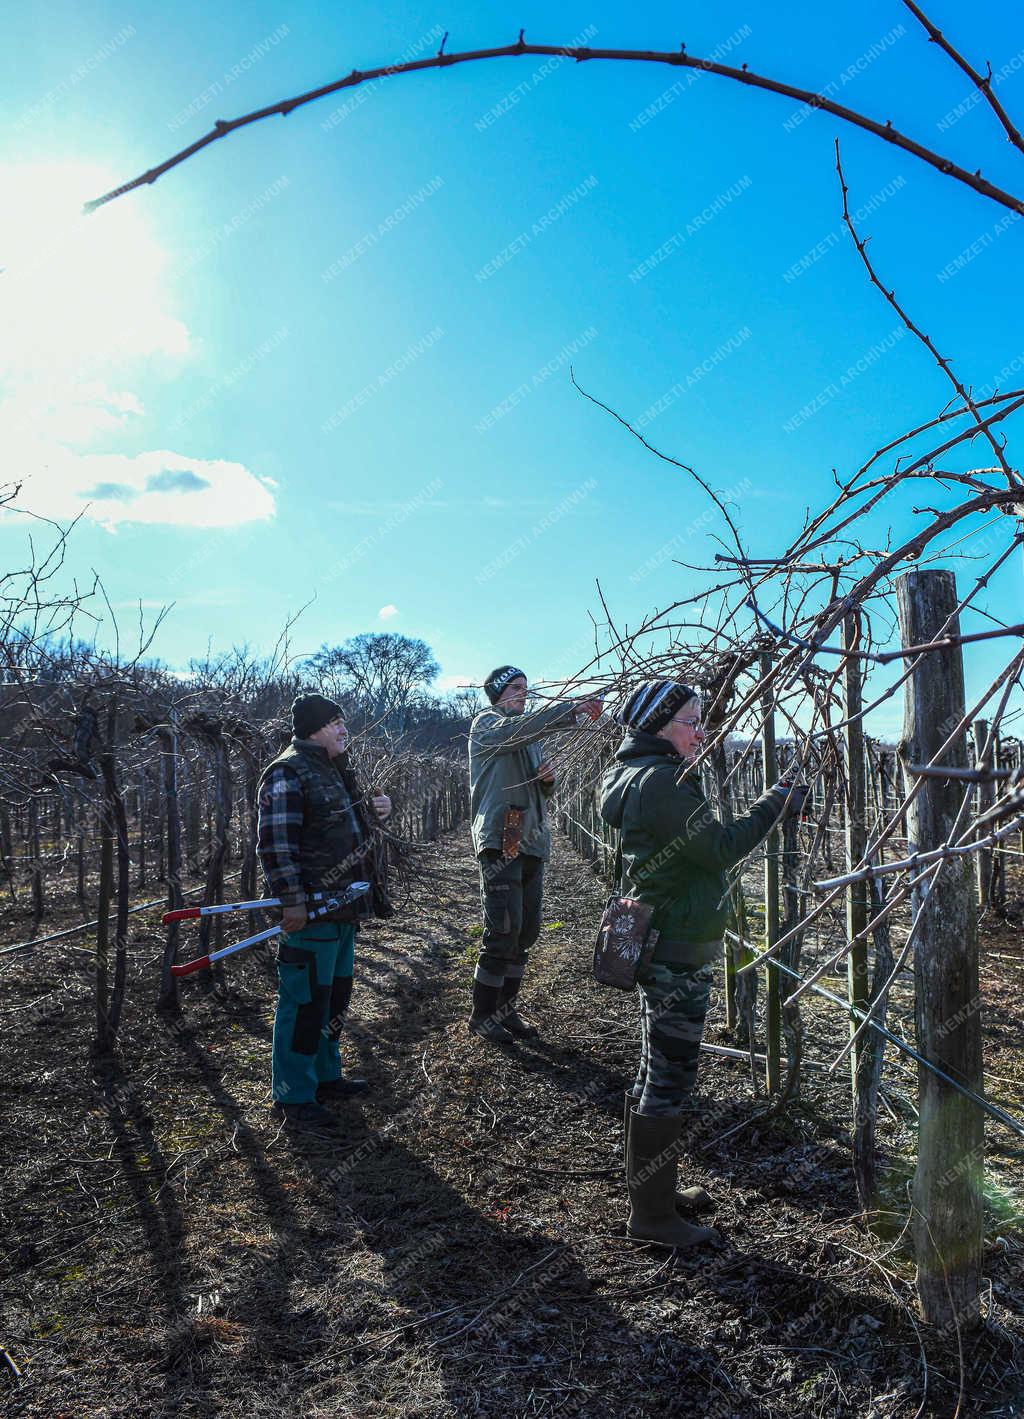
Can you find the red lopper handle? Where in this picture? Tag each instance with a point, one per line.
(184, 914)
(186, 970)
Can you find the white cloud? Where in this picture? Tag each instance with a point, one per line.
(83, 304)
(386, 612)
(153, 487)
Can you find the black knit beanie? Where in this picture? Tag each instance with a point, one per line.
(499, 680)
(312, 712)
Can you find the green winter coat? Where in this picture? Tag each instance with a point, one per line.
(675, 852)
(504, 753)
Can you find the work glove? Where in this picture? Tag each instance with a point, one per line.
(797, 797)
(589, 709)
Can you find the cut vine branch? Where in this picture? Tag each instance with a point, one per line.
(983, 82)
(915, 330)
(581, 53)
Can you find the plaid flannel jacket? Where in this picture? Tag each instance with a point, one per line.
(279, 833)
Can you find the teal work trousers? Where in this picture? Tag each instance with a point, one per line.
(314, 975)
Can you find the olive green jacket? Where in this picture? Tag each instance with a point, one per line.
(504, 753)
(675, 852)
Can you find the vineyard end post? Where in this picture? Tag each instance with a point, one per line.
(856, 837)
(773, 998)
(948, 1199)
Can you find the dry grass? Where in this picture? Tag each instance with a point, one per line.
(459, 1249)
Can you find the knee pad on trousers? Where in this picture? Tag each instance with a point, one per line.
(341, 994)
(309, 996)
(309, 1021)
(529, 934)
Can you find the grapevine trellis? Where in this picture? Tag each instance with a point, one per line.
(900, 849)
(113, 785)
(782, 647)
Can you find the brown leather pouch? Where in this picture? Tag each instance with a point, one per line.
(512, 833)
(625, 942)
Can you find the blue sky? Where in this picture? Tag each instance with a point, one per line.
(329, 355)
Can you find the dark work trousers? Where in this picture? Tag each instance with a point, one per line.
(512, 891)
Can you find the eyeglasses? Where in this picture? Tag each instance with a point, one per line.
(693, 723)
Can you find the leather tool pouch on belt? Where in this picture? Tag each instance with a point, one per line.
(512, 833)
(625, 942)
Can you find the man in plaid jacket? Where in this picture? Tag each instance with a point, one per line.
(313, 835)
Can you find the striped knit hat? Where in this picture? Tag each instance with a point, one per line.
(652, 704)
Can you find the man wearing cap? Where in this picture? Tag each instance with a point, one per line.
(313, 835)
(510, 782)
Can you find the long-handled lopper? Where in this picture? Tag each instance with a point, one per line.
(194, 913)
(325, 905)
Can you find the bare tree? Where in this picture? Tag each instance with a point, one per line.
(379, 675)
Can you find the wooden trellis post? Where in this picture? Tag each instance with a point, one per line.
(7, 851)
(740, 991)
(80, 822)
(193, 811)
(247, 816)
(792, 1024)
(985, 797)
(856, 836)
(104, 1038)
(998, 879)
(718, 774)
(118, 823)
(948, 1182)
(35, 862)
(219, 804)
(143, 802)
(773, 998)
(168, 739)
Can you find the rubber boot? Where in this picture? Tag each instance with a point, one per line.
(651, 1182)
(509, 1015)
(344, 1088)
(311, 1116)
(485, 1020)
(689, 1200)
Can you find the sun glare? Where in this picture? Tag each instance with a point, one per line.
(84, 312)
(77, 291)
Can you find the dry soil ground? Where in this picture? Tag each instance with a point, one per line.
(458, 1249)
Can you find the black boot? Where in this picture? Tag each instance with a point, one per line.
(341, 1088)
(486, 1018)
(651, 1181)
(312, 1117)
(688, 1199)
(508, 1013)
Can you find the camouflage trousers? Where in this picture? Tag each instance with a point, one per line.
(673, 1004)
